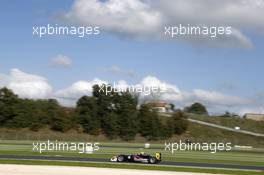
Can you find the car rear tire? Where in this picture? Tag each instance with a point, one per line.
(152, 160)
(120, 158)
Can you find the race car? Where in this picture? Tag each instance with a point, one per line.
(137, 158)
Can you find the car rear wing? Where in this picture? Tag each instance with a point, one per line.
(158, 156)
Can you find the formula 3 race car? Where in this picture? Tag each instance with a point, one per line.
(137, 158)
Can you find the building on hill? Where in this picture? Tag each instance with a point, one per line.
(160, 106)
(256, 117)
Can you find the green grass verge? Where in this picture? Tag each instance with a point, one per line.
(127, 166)
(245, 124)
(172, 159)
(8, 147)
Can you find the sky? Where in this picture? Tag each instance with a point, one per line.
(225, 73)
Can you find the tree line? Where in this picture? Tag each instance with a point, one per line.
(116, 115)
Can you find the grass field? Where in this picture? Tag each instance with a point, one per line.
(107, 150)
(19, 142)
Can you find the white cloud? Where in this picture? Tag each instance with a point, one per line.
(236, 40)
(146, 19)
(213, 98)
(119, 71)
(132, 17)
(70, 95)
(26, 85)
(172, 92)
(3, 80)
(61, 61)
(34, 86)
(182, 98)
(122, 84)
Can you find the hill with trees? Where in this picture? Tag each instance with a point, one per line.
(114, 115)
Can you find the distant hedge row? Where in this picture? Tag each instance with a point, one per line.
(114, 115)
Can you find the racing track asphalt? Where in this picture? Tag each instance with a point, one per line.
(184, 164)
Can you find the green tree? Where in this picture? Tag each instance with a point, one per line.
(7, 105)
(87, 115)
(196, 108)
(126, 108)
(150, 125)
(111, 127)
(23, 110)
(60, 122)
(167, 129)
(55, 115)
(104, 103)
(117, 112)
(172, 106)
(179, 121)
(21, 113)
